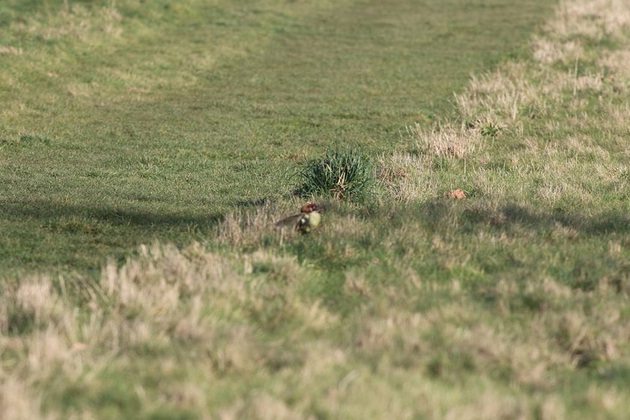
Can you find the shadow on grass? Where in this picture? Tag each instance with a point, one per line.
(48, 236)
(472, 216)
(253, 203)
(46, 211)
(603, 223)
(436, 215)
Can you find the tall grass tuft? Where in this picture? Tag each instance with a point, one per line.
(343, 175)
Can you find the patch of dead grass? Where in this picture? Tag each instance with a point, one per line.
(248, 227)
(549, 51)
(10, 50)
(491, 405)
(162, 299)
(507, 100)
(499, 95)
(595, 19)
(445, 141)
(406, 177)
(75, 20)
(17, 400)
(216, 306)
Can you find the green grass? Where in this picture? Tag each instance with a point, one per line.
(511, 303)
(126, 123)
(341, 175)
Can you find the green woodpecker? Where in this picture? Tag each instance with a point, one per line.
(304, 222)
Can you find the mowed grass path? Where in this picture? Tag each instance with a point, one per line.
(151, 120)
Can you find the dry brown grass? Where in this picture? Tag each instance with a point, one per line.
(248, 227)
(406, 177)
(596, 19)
(251, 227)
(76, 20)
(162, 299)
(499, 95)
(446, 141)
(10, 50)
(522, 95)
(515, 85)
(213, 305)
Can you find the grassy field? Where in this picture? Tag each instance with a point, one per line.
(135, 121)
(181, 127)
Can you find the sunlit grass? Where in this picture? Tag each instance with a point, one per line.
(154, 120)
(340, 174)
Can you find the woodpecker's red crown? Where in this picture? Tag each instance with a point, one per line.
(308, 208)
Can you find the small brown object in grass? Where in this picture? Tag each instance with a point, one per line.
(458, 194)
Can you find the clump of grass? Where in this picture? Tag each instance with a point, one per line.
(343, 175)
(446, 141)
(407, 177)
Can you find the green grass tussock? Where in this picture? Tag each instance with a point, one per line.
(341, 175)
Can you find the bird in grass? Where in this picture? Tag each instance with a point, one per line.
(307, 220)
